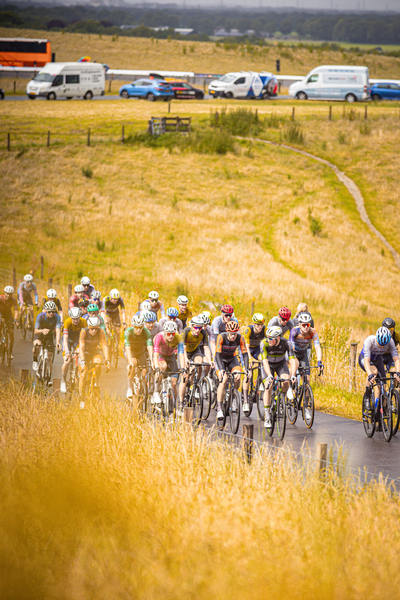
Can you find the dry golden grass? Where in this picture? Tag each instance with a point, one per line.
(97, 504)
(200, 57)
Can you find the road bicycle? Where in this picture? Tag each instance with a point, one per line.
(44, 362)
(377, 412)
(26, 323)
(5, 343)
(139, 386)
(168, 402)
(198, 394)
(214, 383)
(395, 402)
(73, 374)
(112, 344)
(277, 409)
(231, 403)
(256, 389)
(303, 398)
(91, 389)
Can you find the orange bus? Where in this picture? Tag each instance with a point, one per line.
(20, 52)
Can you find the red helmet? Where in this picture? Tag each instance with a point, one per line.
(232, 327)
(285, 313)
(227, 309)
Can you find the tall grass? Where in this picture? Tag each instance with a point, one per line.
(100, 504)
(239, 121)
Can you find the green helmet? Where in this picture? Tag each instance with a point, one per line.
(92, 308)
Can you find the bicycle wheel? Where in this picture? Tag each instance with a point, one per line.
(142, 395)
(234, 412)
(386, 418)
(368, 413)
(270, 430)
(225, 407)
(207, 397)
(114, 353)
(281, 416)
(197, 403)
(2, 351)
(22, 326)
(8, 350)
(214, 388)
(259, 399)
(308, 406)
(395, 402)
(31, 328)
(292, 409)
(168, 405)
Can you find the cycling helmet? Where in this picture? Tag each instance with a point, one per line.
(75, 312)
(206, 317)
(9, 289)
(154, 295)
(197, 321)
(85, 281)
(170, 327)
(258, 318)
(84, 302)
(383, 336)
(388, 322)
(182, 300)
(285, 313)
(114, 294)
(273, 332)
(79, 288)
(138, 321)
(232, 327)
(51, 293)
(146, 305)
(96, 294)
(227, 309)
(93, 322)
(28, 278)
(304, 318)
(149, 316)
(50, 305)
(92, 307)
(172, 312)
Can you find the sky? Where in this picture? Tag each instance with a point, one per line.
(342, 5)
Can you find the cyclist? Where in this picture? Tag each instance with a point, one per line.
(302, 308)
(165, 346)
(155, 304)
(227, 358)
(72, 329)
(93, 311)
(370, 358)
(96, 299)
(273, 355)
(47, 323)
(7, 304)
(25, 295)
(112, 303)
(152, 324)
(185, 314)
(283, 320)
(207, 327)
(219, 323)
(195, 346)
(90, 338)
(52, 295)
(253, 336)
(83, 305)
(78, 295)
(88, 288)
(172, 315)
(391, 325)
(138, 348)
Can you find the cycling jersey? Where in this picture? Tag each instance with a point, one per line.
(164, 348)
(302, 341)
(74, 300)
(387, 357)
(90, 343)
(55, 300)
(112, 308)
(276, 354)
(156, 329)
(102, 324)
(192, 342)
(374, 352)
(252, 338)
(137, 343)
(73, 331)
(45, 322)
(177, 321)
(155, 308)
(185, 316)
(25, 295)
(7, 305)
(226, 349)
(89, 289)
(218, 325)
(274, 322)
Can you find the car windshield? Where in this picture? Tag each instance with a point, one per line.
(227, 78)
(44, 77)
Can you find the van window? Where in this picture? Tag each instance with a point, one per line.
(227, 78)
(240, 80)
(59, 80)
(312, 79)
(72, 79)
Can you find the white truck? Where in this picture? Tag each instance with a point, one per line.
(333, 82)
(68, 80)
(244, 84)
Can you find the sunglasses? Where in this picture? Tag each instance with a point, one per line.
(172, 318)
(306, 325)
(51, 312)
(284, 320)
(196, 328)
(171, 333)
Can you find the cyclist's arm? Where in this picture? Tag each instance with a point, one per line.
(103, 343)
(181, 363)
(317, 346)
(35, 293)
(367, 365)
(127, 344)
(20, 296)
(65, 341)
(82, 339)
(218, 355)
(244, 353)
(266, 367)
(38, 325)
(162, 309)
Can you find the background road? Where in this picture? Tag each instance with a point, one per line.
(115, 97)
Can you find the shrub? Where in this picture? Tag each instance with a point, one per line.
(365, 129)
(341, 138)
(241, 121)
(315, 224)
(100, 245)
(293, 133)
(87, 172)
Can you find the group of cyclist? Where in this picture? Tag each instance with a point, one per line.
(175, 342)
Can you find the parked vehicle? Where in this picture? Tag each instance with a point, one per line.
(150, 89)
(2, 94)
(333, 83)
(185, 91)
(244, 84)
(68, 80)
(385, 91)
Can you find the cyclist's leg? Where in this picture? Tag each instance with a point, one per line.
(222, 385)
(267, 392)
(97, 361)
(173, 368)
(282, 370)
(236, 366)
(37, 343)
(116, 319)
(67, 359)
(9, 323)
(163, 365)
(83, 372)
(374, 371)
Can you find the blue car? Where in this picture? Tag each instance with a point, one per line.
(385, 91)
(150, 89)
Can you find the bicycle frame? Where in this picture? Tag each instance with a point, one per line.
(378, 411)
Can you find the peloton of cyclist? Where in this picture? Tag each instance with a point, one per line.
(52, 295)
(138, 348)
(283, 320)
(90, 339)
(72, 329)
(387, 357)
(165, 346)
(7, 304)
(172, 315)
(112, 303)
(25, 295)
(47, 324)
(185, 313)
(152, 324)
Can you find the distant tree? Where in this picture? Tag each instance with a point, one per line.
(107, 23)
(9, 18)
(286, 26)
(55, 24)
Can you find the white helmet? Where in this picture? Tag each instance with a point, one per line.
(138, 321)
(273, 332)
(93, 322)
(51, 293)
(9, 289)
(154, 295)
(304, 318)
(75, 312)
(79, 288)
(114, 294)
(145, 305)
(197, 321)
(50, 305)
(182, 300)
(28, 277)
(85, 281)
(170, 327)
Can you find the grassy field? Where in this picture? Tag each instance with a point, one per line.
(98, 504)
(200, 57)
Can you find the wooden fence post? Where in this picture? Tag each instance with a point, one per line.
(352, 365)
(41, 267)
(48, 139)
(188, 415)
(14, 278)
(252, 306)
(322, 452)
(109, 85)
(169, 107)
(50, 282)
(330, 113)
(293, 113)
(8, 142)
(366, 112)
(248, 435)
(15, 87)
(123, 134)
(88, 137)
(69, 290)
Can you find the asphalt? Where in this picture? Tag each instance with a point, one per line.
(114, 97)
(371, 455)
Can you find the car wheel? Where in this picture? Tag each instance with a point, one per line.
(32, 97)
(375, 97)
(301, 96)
(51, 96)
(200, 97)
(351, 98)
(88, 96)
(266, 96)
(229, 95)
(68, 98)
(124, 94)
(150, 97)
(1, 95)
(167, 99)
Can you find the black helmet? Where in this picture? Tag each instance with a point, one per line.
(389, 323)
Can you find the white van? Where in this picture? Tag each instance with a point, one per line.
(244, 84)
(333, 83)
(68, 80)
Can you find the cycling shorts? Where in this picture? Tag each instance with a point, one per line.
(279, 369)
(72, 345)
(141, 358)
(172, 364)
(91, 356)
(230, 365)
(115, 318)
(199, 351)
(255, 352)
(388, 361)
(303, 357)
(27, 300)
(378, 363)
(9, 319)
(47, 340)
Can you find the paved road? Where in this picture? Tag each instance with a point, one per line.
(374, 454)
(116, 97)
